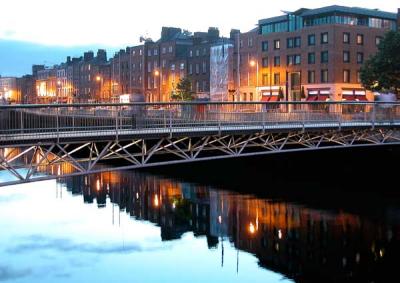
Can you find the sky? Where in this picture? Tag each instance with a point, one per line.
(119, 23)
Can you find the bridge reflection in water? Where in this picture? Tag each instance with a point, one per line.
(303, 243)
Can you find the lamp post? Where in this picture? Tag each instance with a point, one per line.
(157, 74)
(252, 64)
(99, 80)
(58, 90)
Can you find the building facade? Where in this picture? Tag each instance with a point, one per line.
(309, 54)
(8, 90)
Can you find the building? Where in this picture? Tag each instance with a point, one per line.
(153, 69)
(8, 90)
(46, 85)
(309, 54)
(26, 89)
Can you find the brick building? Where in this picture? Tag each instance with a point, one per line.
(154, 68)
(309, 53)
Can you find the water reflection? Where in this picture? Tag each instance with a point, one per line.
(302, 243)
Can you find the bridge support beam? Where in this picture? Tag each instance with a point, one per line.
(54, 160)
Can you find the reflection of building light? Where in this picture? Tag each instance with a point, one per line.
(137, 195)
(98, 185)
(252, 229)
(280, 234)
(358, 258)
(156, 202)
(381, 252)
(219, 219)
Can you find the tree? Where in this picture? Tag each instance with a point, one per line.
(183, 90)
(382, 71)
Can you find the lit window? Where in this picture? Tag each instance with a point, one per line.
(360, 39)
(346, 76)
(324, 38)
(346, 37)
(277, 44)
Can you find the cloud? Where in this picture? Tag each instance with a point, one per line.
(8, 273)
(38, 242)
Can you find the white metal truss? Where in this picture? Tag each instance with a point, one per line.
(54, 160)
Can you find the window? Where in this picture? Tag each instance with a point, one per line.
(265, 79)
(170, 49)
(149, 67)
(311, 58)
(155, 52)
(190, 69)
(358, 77)
(197, 69)
(324, 38)
(346, 37)
(172, 67)
(297, 59)
(324, 76)
(277, 61)
(204, 67)
(346, 76)
(164, 63)
(250, 42)
(133, 53)
(204, 51)
(294, 42)
(155, 64)
(264, 46)
(360, 58)
(311, 39)
(290, 43)
(182, 66)
(191, 53)
(241, 43)
(140, 52)
(277, 44)
(265, 62)
(360, 39)
(297, 41)
(311, 77)
(163, 50)
(149, 53)
(277, 79)
(204, 85)
(346, 56)
(378, 40)
(324, 57)
(293, 60)
(197, 52)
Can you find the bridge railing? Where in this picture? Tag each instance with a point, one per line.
(114, 119)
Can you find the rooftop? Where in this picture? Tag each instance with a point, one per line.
(304, 12)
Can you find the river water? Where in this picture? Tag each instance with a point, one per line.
(290, 218)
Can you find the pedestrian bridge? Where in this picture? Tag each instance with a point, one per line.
(37, 142)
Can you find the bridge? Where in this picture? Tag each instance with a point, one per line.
(37, 141)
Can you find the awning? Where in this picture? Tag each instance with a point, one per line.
(269, 98)
(312, 98)
(355, 98)
(323, 98)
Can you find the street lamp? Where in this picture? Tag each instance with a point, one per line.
(99, 79)
(157, 74)
(252, 64)
(58, 90)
